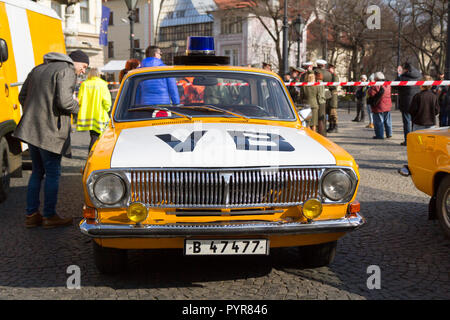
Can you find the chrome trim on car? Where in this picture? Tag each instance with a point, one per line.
(228, 228)
(90, 183)
(204, 188)
(353, 178)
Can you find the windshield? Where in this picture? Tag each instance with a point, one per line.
(192, 94)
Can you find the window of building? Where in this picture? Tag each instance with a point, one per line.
(110, 49)
(231, 25)
(137, 43)
(57, 7)
(136, 15)
(181, 32)
(233, 53)
(111, 18)
(180, 14)
(84, 11)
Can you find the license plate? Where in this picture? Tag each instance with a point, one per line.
(226, 247)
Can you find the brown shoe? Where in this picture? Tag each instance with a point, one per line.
(56, 221)
(33, 220)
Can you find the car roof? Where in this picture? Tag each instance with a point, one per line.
(199, 68)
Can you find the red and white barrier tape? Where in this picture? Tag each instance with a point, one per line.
(340, 84)
(371, 83)
(353, 93)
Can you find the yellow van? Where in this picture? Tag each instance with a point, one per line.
(27, 32)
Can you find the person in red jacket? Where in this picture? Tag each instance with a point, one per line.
(424, 108)
(381, 108)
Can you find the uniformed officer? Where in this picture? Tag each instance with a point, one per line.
(330, 95)
(295, 77)
(333, 116)
(308, 67)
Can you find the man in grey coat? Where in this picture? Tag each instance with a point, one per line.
(47, 98)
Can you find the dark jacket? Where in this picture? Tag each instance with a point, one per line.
(157, 91)
(424, 108)
(47, 101)
(361, 94)
(406, 93)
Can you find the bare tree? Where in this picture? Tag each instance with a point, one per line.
(342, 33)
(270, 13)
(424, 32)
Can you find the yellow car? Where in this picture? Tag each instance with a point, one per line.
(225, 167)
(429, 168)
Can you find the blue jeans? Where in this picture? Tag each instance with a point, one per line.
(369, 112)
(407, 124)
(382, 120)
(48, 164)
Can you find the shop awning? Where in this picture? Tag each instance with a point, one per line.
(113, 66)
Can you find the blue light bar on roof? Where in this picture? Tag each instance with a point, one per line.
(200, 46)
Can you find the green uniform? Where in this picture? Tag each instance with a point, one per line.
(331, 97)
(333, 103)
(314, 97)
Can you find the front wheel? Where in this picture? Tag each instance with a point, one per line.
(318, 255)
(5, 176)
(109, 260)
(443, 205)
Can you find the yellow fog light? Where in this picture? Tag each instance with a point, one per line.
(137, 212)
(312, 208)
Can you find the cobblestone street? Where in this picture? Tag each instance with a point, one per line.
(410, 250)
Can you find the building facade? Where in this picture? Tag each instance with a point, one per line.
(179, 19)
(81, 25)
(238, 33)
(119, 29)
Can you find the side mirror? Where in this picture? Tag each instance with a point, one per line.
(305, 113)
(3, 50)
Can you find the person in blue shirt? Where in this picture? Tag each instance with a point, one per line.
(156, 91)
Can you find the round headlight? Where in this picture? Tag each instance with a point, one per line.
(312, 208)
(109, 189)
(336, 185)
(137, 212)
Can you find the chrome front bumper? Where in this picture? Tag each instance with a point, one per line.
(240, 228)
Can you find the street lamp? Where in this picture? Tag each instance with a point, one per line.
(299, 25)
(131, 5)
(285, 69)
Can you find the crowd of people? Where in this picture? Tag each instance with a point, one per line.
(419, 105)
(322, 100)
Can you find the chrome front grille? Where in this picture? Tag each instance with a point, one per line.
(234, 188)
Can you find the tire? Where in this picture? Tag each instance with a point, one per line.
(5, 177)
(318, 255)
(109, 260)
(443, 205)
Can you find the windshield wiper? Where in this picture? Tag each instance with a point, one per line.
(160, 107)
(214, 108)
